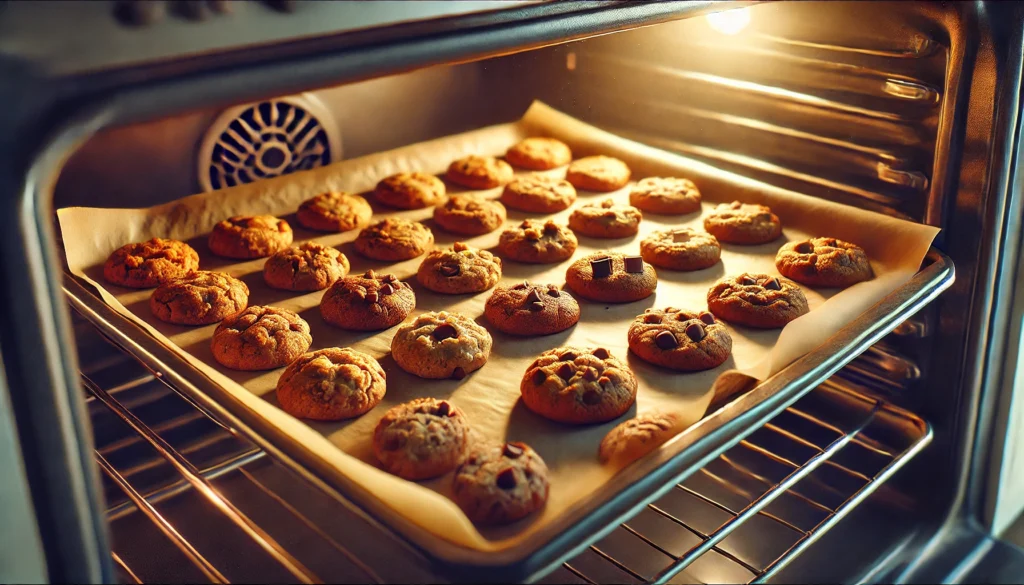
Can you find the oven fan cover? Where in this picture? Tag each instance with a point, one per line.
(268, 139)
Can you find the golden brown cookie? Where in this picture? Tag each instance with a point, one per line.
(410, 191)
(309, 266)
(578, 386)
(499, 484)
(743, 223)
(612, 277)
(150, 263)
(421, 439)
(394, 239)
(598, 173)
(606, 219)
(200, 298)
(538, 194)
(250, 236)
(665, 195)
(260, 338)
(539, 154)
(331, 384)
(757, 300)
(369, 302)
(479, 172)
(681, 340)
(681, 249)
(537, 242)
(334, 211)
(530, 309)
(459, 270)
(441, 345)
(824, 262)
(469, 216)
(636, 437)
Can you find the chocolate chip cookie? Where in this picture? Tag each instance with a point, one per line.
(757, 300)
(612, 277)
(665, 195)
(441, 345)
(410, 191)
(334, 211)
(250, 236)
(331, 384)
(421, 439)
(578, 386)
(150, 263)
(369, 302)
(394, 239)
(200, 298)
(681, 340)
(537, 242)
(469, 216)
(260, 338)
(531, 309)
(459, 270)
(479, 172)
(499, 484)
(743, 223)
(539, 154)
(598, 173)
(539, 194)
(636, 437)
(824, 262)
(309, 266)
(606, 219)
(681, 249)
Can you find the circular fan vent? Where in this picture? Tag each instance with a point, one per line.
(268, 139)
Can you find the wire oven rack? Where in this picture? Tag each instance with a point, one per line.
(191, 500)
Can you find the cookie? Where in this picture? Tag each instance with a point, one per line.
(743, 223)
(606, 219)
(539, 154)
(578, 386)
(539, 194)
(681, 249)
(421, 439)
(410, 191)
(598, 173)
(441, 345)
(637, 437)
(680, 340)
(150, 263)
(665, 195)
(250, 236)
(394, 239)
(824, 262)
(369, 302)
(531, 309)
(309, 266)
(757, 300)
(499, 484)
(459, 270)
(479, 172)
(537, 242)
(612, 277)
(469, 216)
(334, 211)
(331, 384)
(260, 338)
(200, 298)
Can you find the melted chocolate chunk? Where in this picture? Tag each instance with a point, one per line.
(522, 285)
(567, 356)
(372, 297)
(533, 297)
(449, 270)
(443, 409)
(695, 331)
(665, 340)
(538, 377)
(444, 331)
(773, 284)
(566, 371)
(512, 451)
(746, 280)
(651, 318)
(634, 264)
(804, 248)
(591, 374)
(707, 318)
(601, 353)
(553, 291)
(458, 373)
(506, 479)
(602, 268)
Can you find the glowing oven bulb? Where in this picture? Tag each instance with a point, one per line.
(729, 22)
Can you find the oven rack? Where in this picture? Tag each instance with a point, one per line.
(174, 475)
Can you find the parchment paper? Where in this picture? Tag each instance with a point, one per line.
(490, 396)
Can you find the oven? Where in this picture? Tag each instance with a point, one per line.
(895, 458)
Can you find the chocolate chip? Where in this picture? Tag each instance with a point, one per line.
(680, 237)
(533, 297)
(449, 270)
(390, 279)
(567, 356)
(695, 331)
(553, 291)
(665, 340)
(634, 264)
(522, 285)
(601, 353)
(537, 306)
(458, 373)
(506, 479)
(680, 316)
(746, 280)
(707, 318)
(443, 409)
(651, 318)
(566, 371)
(602, 268)
(590, 374)
(386, 290)
(370, 274)
(591, 397)
(538, 377)
(804, 248)
(372, 297)
(773, 284)
(512, 451)
(444, 331)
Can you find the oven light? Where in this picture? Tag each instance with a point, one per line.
(729, 22)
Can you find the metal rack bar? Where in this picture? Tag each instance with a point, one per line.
(124, 567)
